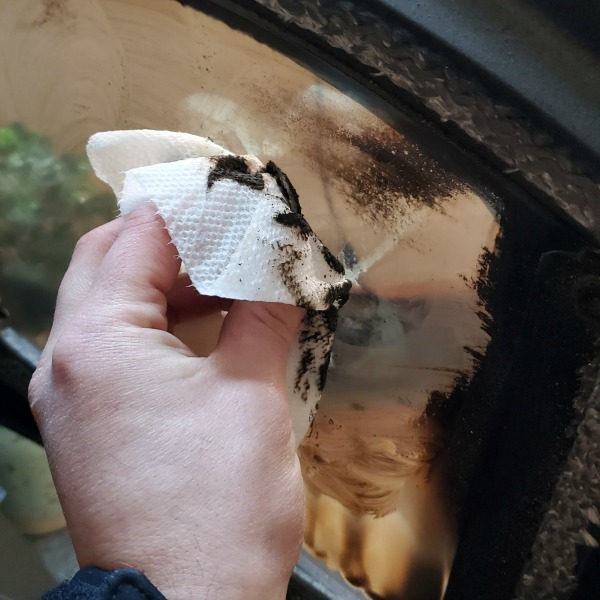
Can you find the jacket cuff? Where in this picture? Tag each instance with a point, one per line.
(97, 584)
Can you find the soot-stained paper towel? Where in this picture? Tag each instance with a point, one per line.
(239, 230)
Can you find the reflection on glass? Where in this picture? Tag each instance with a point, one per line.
(47, 201)
(410, 234)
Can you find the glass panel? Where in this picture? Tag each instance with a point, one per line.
(47, 201)
(411, 234)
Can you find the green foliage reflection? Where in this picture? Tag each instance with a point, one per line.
(47, 201)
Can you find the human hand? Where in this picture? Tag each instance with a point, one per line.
(180, 466)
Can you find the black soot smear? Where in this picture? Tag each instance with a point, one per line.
(235, 168)
(288, 191)
(380, 171)
(295, 219)
(316, 341)
(387, 175)
(318, 326)
(291, 260)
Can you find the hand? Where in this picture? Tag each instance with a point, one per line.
(180, 466)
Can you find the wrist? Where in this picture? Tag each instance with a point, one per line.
(183, 572)
(208, 582)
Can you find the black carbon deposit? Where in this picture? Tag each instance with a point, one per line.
(236, 168)
(380, 169)
(381, 172)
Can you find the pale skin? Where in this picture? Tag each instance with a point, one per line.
(180, 466)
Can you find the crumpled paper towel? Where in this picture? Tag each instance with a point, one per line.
(239, 230)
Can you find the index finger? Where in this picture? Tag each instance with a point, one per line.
(87, 256)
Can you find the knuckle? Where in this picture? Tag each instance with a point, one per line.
(61, 366)
(98, 239)
(36, 389)
(65, 359)
(86, 241)
(36, 402)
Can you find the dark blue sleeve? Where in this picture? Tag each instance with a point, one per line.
(96, 584)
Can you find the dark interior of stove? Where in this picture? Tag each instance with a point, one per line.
(511, 428)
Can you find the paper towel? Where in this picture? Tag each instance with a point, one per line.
(239, 230)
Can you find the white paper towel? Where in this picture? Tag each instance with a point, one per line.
(239, 230)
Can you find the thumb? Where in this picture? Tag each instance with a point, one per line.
(256, 337)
